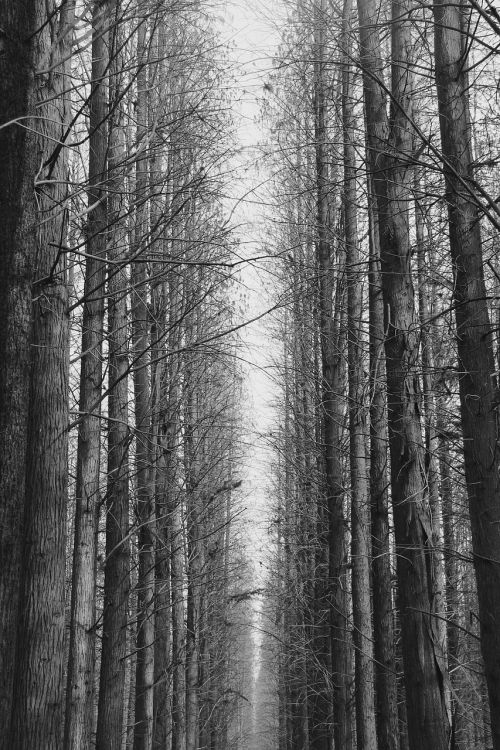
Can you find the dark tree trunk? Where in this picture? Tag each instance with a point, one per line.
(81, 664)
(144, 677)
(387, 144)
(335, 658)
(366, 734)
(383, 618)
(111, 706)
(19, 164)
(39, 689)
(478, 387)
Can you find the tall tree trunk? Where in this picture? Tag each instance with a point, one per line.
(331, 382)
(193, 562)
(81, 664)
(426, 312)
(19, 164)
(37, 719)
(423, 665)
(366, 733)
(192, 625)
(178, 631)
(110, 715)
(383, 620)
(144, 680)
(478, 387)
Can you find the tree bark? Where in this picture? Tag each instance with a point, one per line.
(389, 147)
(331, 386)
(110, 714)
(383, 618)
(19, 164)
(478, 387)
(81, 665)
(366, 733)
(144, 679)
(37, 719)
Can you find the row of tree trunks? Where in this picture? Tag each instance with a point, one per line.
(389, 149)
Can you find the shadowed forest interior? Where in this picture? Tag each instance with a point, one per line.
(249, 363)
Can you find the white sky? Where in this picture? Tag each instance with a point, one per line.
(255, 41)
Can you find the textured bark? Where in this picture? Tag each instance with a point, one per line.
(19, 164)
(425, 305)
(178, 632)
(81, 665)
(366, 733)
(331, 387)
(144, 679)
(192, 621)
(193, 559)
(166, 395)
(478, 387)
(110, 715)
(163, 641)
(37, 719)
(388, 145)
(383, 619)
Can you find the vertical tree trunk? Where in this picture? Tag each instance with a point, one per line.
(423, 665)
(430, 430)
(193, 562)
(39, 693)
(358, 427)
(144, 680)
(331, 422)
(110, 715)
(166, 394)
(478, 387)
(81, 667)
(178, 631)
(192, 627)
(383, 620)
(19, 164)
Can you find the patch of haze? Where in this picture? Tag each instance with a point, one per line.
(253, 44)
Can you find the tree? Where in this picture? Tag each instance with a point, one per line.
(81, 662)
(37, 717)
(19, 163)
(117, 556)
(478, 389)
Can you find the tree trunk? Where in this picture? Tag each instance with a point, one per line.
(178, 631)
(423, 666)
(331, 382)
(358, 427)
(430, 430)
(478, 387)
(110, 716)
(39, 689)
(81, 667)
(383, 619)
(19, 164)
(193, 562)
(144, 680)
